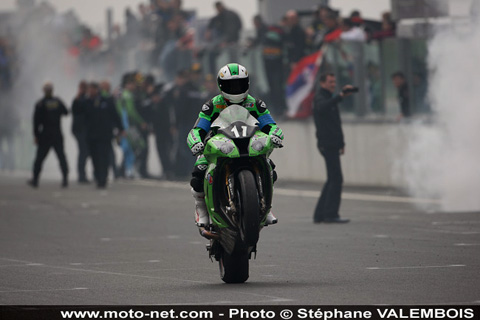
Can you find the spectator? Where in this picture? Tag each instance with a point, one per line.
(374, 87)
(333, 28)
(356, 18)
(171, 57)
(331, 145)
(162, 124)
(145, 109)
(400, 82)
(183, 98)
(351, 32)
(79, 130)
(48, 133)
(105, 91)
(132, 143)
(420, 87)
(260, 31)
(145, 21)
(388, 28)
(132, 23)
(178, 10)
(317, 29)
(366, 25)
(101, 118)
(223, 31)
(295, 38)
(272, 54)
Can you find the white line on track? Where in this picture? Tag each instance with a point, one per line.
(163, 278)
(444, 223)
(418, 267)
(271, 298)
(42, 290)
(447, 231)
(467, 244)
(15, 260)
(20, 265)
(299, 193)
(111, 263)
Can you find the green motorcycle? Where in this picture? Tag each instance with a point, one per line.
(238, 189)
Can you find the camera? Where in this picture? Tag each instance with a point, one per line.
(350, 90)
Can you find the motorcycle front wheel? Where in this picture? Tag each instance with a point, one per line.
(249, 207)
(234, 267)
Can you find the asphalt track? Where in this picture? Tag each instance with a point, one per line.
(136, 243)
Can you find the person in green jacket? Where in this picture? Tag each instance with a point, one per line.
(133, 143)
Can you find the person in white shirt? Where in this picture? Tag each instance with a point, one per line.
(350, 32)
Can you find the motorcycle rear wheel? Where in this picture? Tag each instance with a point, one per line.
(234, 267)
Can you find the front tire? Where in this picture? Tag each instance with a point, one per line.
(234, 267)
(249, 208)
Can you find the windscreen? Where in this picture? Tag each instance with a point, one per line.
(234, 113)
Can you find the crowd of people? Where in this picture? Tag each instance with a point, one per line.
(125, 117)
(176, 56)
(171, 39)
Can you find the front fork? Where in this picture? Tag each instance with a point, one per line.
(214, 245)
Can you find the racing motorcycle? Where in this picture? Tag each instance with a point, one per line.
(238, 190)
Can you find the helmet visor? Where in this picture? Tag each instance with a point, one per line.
(234, 86)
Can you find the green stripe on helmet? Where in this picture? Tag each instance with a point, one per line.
(233, 67)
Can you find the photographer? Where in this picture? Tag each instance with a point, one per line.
(331, 145)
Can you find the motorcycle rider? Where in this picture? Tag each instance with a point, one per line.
(233, 82)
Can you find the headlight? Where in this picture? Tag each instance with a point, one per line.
(259, 144)
(226, 147)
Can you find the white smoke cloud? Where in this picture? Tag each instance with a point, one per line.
(443, 159)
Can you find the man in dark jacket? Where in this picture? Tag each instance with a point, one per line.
(295, 38)
(79, 130)
(331, 145)
(224, 31)
(101, 118)
(162, 125)
(183, 98)
(271, 39)
(48, 133)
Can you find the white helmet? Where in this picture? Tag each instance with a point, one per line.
(233, 82)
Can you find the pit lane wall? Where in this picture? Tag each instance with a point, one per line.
(373, 156)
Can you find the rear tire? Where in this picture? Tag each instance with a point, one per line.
(234, 267)
(249, 207)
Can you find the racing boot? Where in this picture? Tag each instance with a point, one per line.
(202, 218)
(271, 219)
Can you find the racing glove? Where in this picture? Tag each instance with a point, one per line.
(277, 141)
(197, 148)
(276, 136)
(194, 141)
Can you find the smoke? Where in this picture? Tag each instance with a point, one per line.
(42, 56)
(443, 159)
(43, 41)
